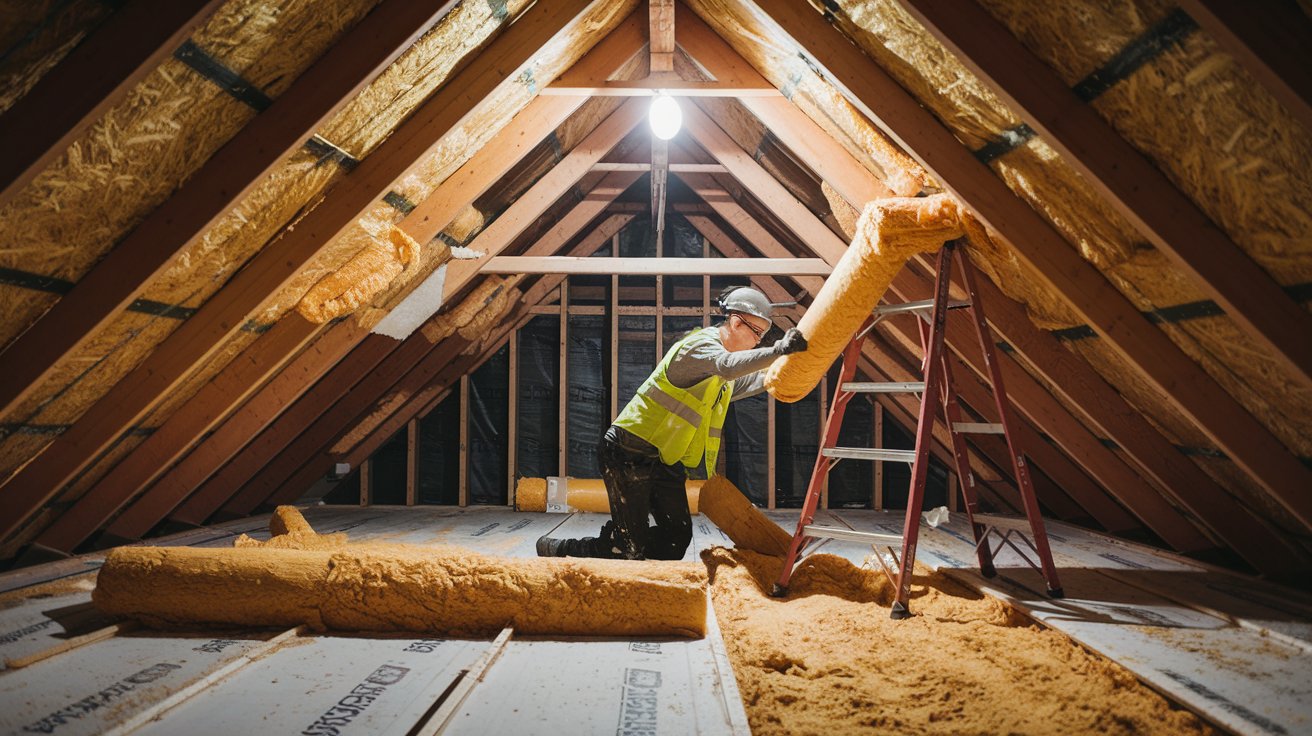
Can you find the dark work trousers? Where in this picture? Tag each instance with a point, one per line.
(640, 485)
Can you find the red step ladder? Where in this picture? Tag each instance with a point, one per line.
(938, 394)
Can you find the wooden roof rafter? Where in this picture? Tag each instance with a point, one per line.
(223, 181)
(872, 91)
(1190, 487)
(275, 484)
(199, 415)
(1138, 190)
(200, 336)
(424, 399)
(1098, 461)
(102, 69)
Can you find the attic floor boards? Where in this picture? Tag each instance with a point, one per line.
(1233, 650)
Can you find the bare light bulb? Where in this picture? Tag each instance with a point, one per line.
(666, 117)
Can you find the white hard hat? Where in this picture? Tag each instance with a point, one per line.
(747, 300)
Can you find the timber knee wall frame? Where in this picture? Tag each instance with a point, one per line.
(938, 393)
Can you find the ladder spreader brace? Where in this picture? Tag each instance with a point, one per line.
(938, 394)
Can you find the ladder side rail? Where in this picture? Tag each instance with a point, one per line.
(1023, 481)
(822, 463)
(969, 493)
(928, 410)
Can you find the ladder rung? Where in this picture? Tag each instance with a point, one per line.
(884, 387)
(976, 428)
(870, 453)
(850, 535)
(923, 305)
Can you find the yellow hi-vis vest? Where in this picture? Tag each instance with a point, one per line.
(684, 424)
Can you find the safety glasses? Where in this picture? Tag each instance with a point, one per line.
(760, 334)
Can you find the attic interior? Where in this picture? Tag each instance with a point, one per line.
(312, 315)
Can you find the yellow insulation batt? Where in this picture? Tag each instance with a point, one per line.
(444, 591)
(581, 494)
(288, 529)
(357, 282)
(889, 232)
(724, 504)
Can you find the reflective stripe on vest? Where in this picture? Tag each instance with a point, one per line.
(685, 425)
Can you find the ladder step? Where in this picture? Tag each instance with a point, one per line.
(923, 305)
(885, 387)
(870, 453)
(850, 535)
(975, 428)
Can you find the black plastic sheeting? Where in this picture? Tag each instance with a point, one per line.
(489, 419)
(797, 440)
(387, 472)
(439, 453)
(681, 240)
(587, 401)
(537, 438)
(746, 454)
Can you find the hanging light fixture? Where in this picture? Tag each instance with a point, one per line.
(666, 117)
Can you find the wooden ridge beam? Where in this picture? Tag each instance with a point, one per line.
(1271, 41)
(197, 339)
(293, 444)
(423, 223)
(1166, 367)
(1032, 400)
(96, 75)
(220, 183)
(1136, 188)
(666, 266)
(660, 34)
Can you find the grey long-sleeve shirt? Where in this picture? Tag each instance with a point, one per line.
(697, 362)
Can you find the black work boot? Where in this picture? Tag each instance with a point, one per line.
(553, 547)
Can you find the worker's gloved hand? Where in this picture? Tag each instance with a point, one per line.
(791, 342)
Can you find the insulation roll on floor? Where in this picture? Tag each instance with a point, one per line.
(580, 494)
(445, 591)
(725, 505)
(889, 232)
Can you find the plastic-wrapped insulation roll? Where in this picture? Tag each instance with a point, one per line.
(725, 505)
(444, 591)
(889, 232)
(581, 494)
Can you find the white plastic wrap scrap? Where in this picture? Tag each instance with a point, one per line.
(937, 516)
(461, 253)
(415, 309)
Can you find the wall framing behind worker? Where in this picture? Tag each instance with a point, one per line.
(673, 426)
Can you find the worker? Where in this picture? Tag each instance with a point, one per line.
(672, 426)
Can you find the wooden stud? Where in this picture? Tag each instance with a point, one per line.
(411, 462)
(822, 406)
(879, 464)
(562, 382)
(199, 337)
(1135, 187)
(231, 173)
(366, 483)
(771, 460)
(102, 68)
(464, 440)
(512, 417)
(1145, 347)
